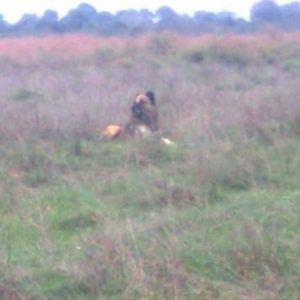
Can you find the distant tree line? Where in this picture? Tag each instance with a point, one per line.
(85, 18)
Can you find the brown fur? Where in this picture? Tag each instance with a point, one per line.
(112, 131)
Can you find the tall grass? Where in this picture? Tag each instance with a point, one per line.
(214, 216)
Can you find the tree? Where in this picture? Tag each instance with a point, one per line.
(4, 26)
(27, 24)
(50, 16)
(223, 21)
(265, 11)
(146, 18)
(128, 17)
(107, 24)
(135, 21)
(167, 18)
(84, 17)
(291, 15)
(49, 21)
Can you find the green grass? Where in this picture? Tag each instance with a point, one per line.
(106, 228)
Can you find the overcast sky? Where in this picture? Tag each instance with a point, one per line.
(12, 10)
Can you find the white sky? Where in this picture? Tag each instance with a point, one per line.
(12, 10)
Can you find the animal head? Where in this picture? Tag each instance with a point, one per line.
(146, 98)
(144, 111)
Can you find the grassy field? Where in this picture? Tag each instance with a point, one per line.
(215, 216)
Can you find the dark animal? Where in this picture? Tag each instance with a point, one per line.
(144, 114)
(143, 118)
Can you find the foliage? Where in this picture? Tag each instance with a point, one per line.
(266, 11)
(85, 18)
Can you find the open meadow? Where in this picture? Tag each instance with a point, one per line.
(214, 216)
